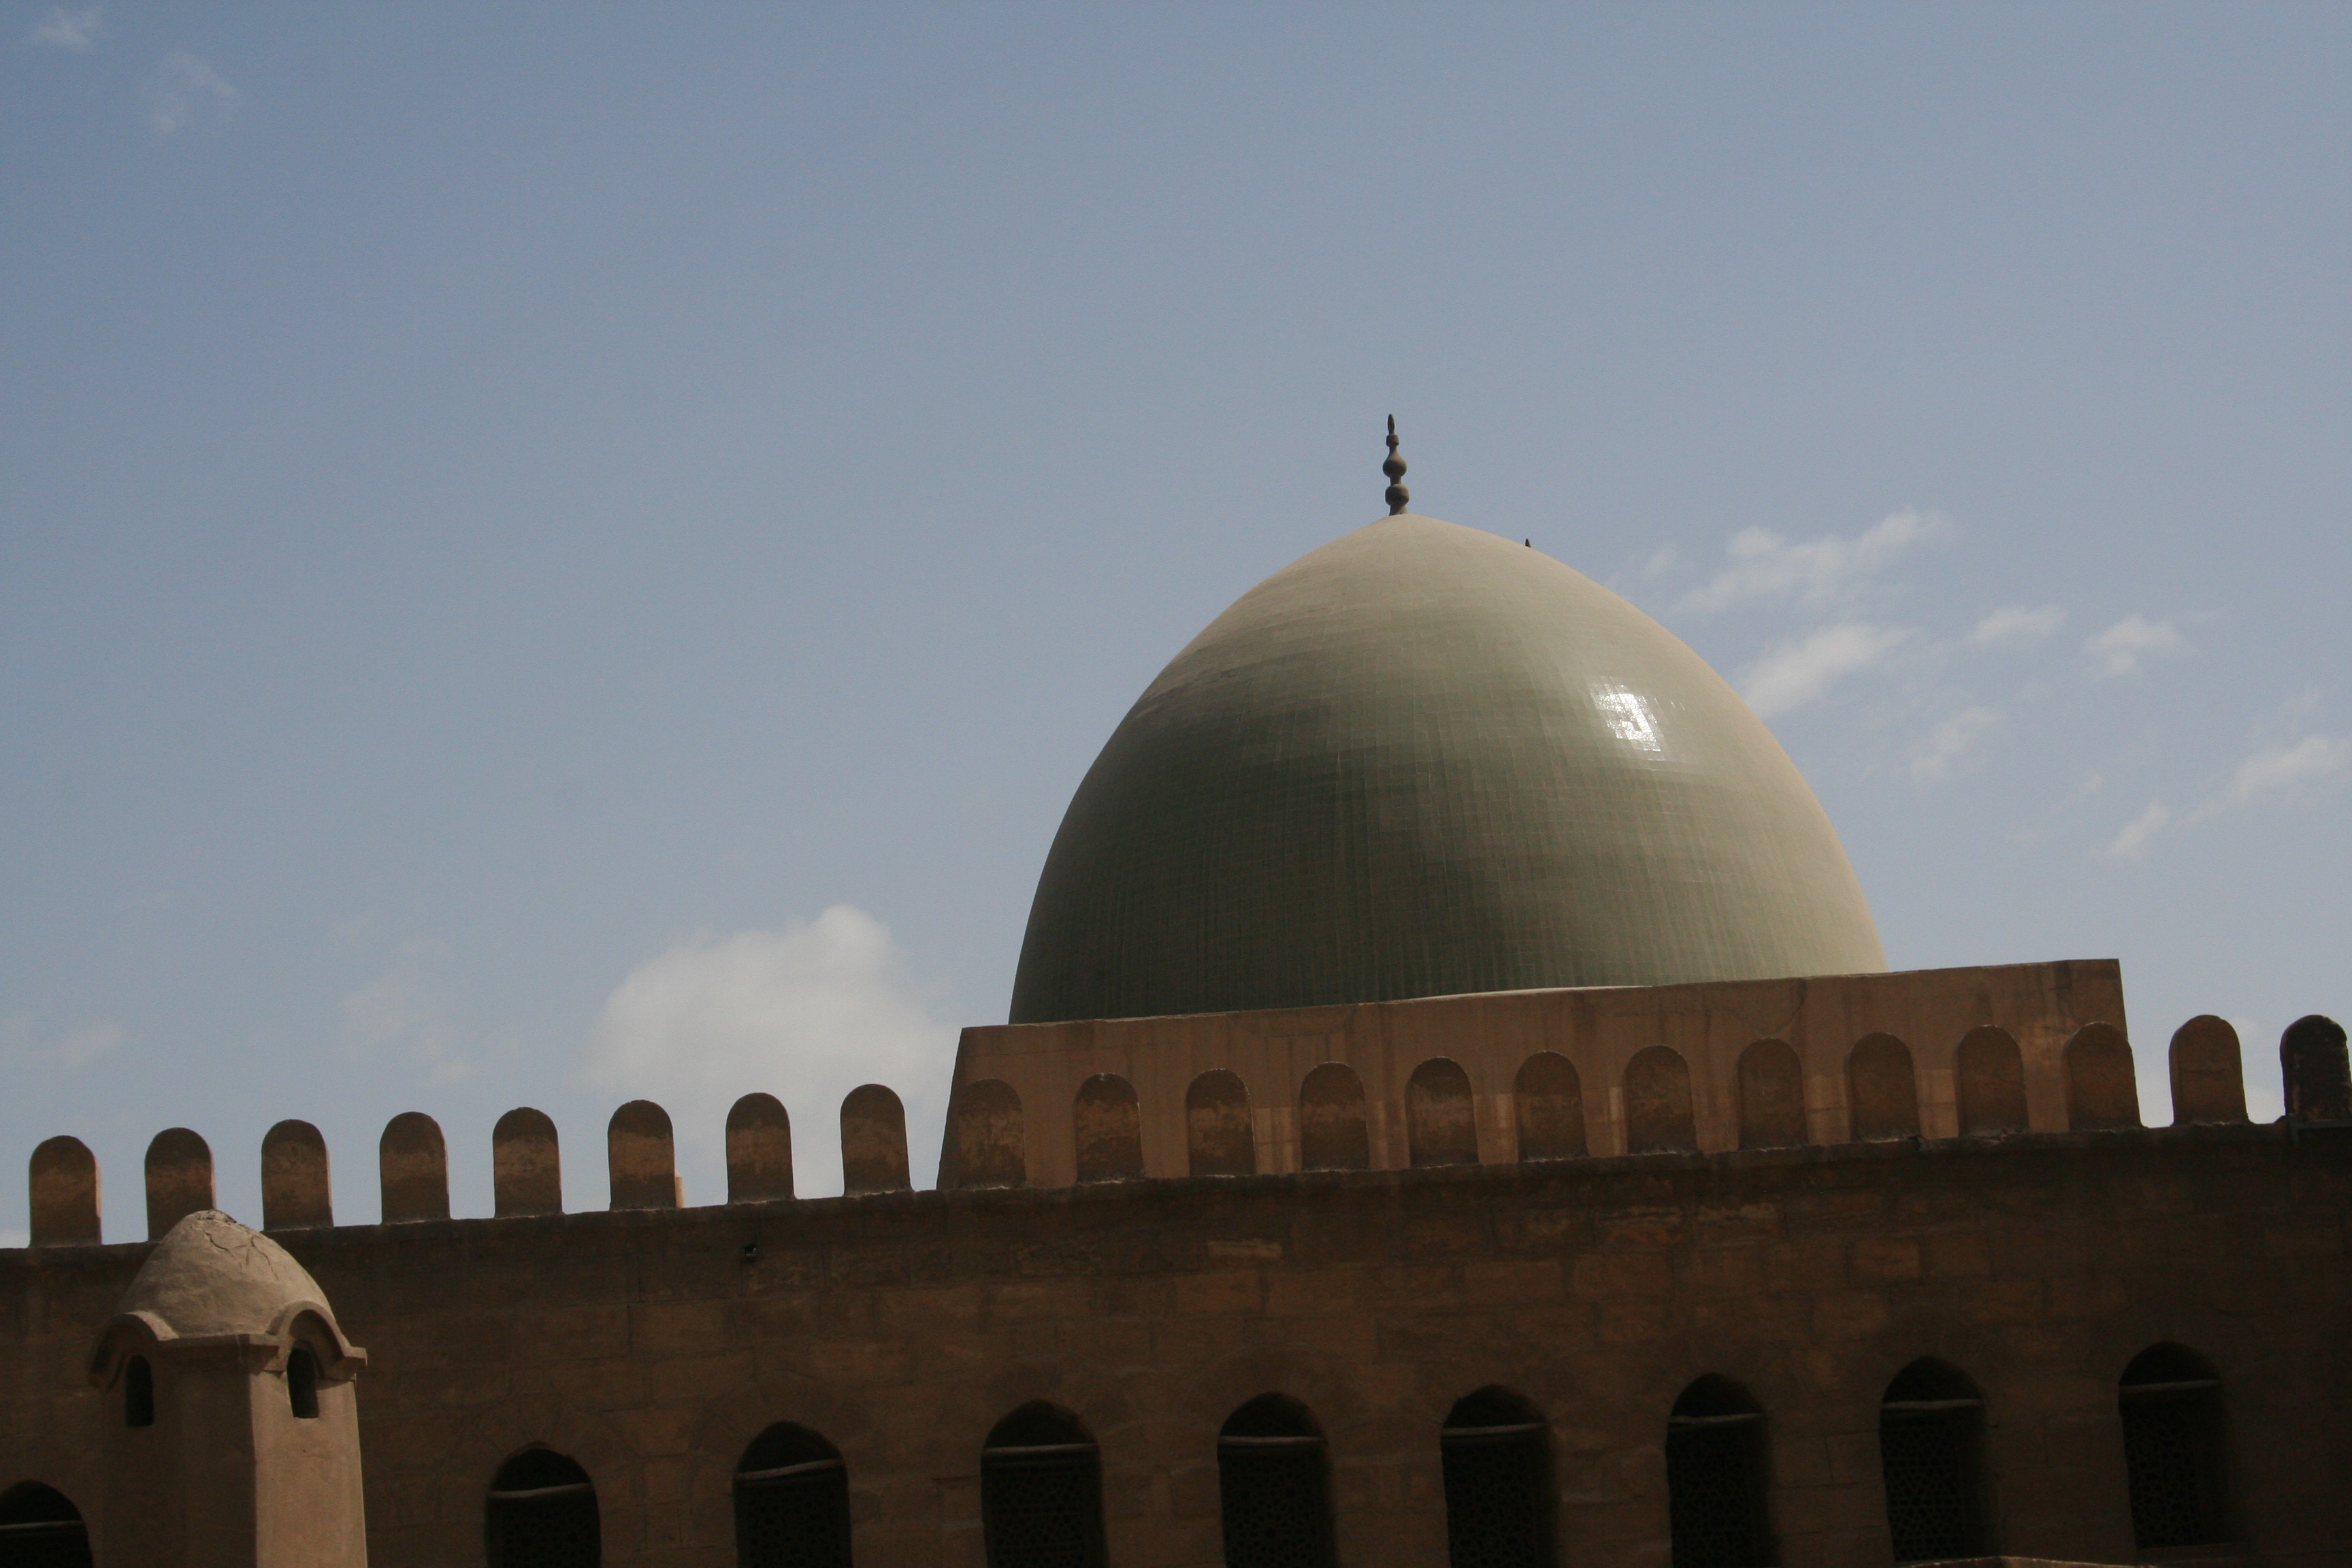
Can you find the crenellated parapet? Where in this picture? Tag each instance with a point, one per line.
(1500, 1079)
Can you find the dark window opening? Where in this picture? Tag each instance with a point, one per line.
(1716, 1485)
(1499, 1495)
(1931, 1450)
(792, 1502)
(40, 1527)
(1274, 1483)
(2174, 1450)
(138, 1393)
(1041, 1492)
(302, 1382)
(542, 1514)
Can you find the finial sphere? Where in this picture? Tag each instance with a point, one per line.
(1397, 495)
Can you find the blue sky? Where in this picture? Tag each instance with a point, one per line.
(553, 553)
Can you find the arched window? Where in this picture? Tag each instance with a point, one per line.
(1499, 1495)
(1041, 1492)
(1882, 1091)
(1273, 1482)
(138, 1393)
(1771, 1097)
(1218, 1138)
(40, 1527)
(1332, 1135)
(542, 1514)
(1108, 1128)
(302, 1382)
(1716, 1478)
(2173, 1448)
(1931, 1448)
(1658, 1103)
(1441, 1125)
(792, 1502)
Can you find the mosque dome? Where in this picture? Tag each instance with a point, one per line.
(1422, 760)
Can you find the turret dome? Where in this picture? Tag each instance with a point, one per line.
(1422, 760)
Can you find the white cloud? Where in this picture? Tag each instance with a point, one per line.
(1948, 746)
(2275, 775)
(2289, 776)
(2132, 843)
(23, 1042)
(2017, 626)
(407, 1008)
(1794, 674)
(2124, 648)
(1662, 562)
(64, 29)
(807, 1013)
(1763, 564)
(184, 93)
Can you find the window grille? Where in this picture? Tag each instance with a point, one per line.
(40, 1527)
(2173, 1451)
(1931, 1449)
(1714, 1489)
(792, 1516)
(1041, 1492)
(542, 1513)
(1274, 1482)
(1498, 1508)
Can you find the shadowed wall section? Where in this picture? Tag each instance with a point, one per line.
(179, 1179)
(526, 1164)
(1989, 1078)
(1332, 1133)
(1109, 1130)
(1440, 1126)
(1658, 1118)
(295, 1194)
(63, 1178)
(2102, 1092)
(412, 1163)
(758, 1150)
(1771, 1097)
(2209, 1079)
(641, 1155)
(873, 1142)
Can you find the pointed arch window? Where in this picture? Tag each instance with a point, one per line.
(1716, 1478)
(2174, 1449)
(792, 1502)
(542, 1513)
(40, 1527)
(1041, 1492)
(1931, 1451)
(1496, 1450)
(1273, 1487)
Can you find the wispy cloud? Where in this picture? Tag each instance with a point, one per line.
(186, 94)
(2275, 775)
(1794, 674)
(408, 1009)
(2126, 647)
(807, 1013)
(65, 29)
(2018, 625)
(1816, 573)
(23, 1043)
(1952, 743)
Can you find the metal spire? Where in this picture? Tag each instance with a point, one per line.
(1394, 468)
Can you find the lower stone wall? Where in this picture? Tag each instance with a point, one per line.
(652, 1346)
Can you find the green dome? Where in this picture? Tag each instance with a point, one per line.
(1421, 761)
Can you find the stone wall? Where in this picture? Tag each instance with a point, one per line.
(652, 1344)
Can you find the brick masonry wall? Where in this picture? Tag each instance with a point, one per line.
(652, 1346)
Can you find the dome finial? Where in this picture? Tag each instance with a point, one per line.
(1394, 468)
